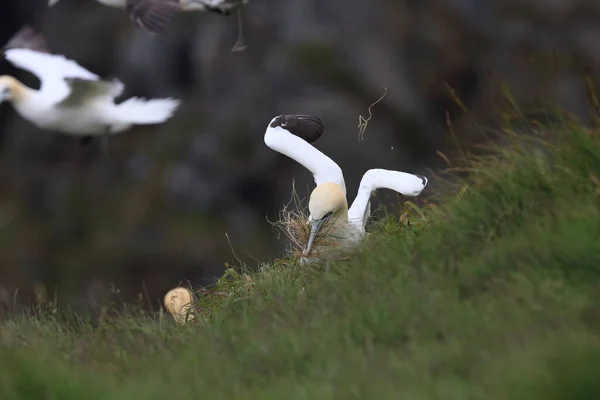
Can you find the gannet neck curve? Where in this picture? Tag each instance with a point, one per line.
(401, 182)
(323, 168)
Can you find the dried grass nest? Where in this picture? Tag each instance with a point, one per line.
(293, 223)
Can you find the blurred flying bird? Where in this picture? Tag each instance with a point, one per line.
(329, 213)
(154, 16)
(72, 100)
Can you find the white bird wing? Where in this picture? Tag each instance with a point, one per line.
(51, 69)
(401, 182)
(85, 90)
(323, 168)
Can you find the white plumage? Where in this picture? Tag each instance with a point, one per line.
(328, 204)
(323, 168)
(75, 101)
(400, 182)
(51, 69)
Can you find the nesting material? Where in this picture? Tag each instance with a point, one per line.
(295, 226)
(178, 303)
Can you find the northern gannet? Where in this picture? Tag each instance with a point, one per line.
(154, 16)
(71, 99)
(328, 206)
(178, 302)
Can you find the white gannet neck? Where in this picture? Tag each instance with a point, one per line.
(401, 182)
(323, 168)
(33, 106)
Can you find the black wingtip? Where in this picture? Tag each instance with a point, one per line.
(423, 179)
(307, 127)
(27, 38)
(151, 29)
(153, 17)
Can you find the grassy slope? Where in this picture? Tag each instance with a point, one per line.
(493, 295)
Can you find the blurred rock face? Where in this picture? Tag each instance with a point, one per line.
(157, 209)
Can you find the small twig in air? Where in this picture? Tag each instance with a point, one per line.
(362, 122)
(233, 251)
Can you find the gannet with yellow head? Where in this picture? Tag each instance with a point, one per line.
(71, 99)
(178, 302)
(292, 136)
(154, 16)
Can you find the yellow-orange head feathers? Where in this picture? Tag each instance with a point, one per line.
(178, 303)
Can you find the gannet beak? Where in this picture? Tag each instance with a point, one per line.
(314, 229)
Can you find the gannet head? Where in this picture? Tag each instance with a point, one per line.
(178, 303)
(52, 2)
(11, 89)
(327, 205)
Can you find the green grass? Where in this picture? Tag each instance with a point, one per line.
(493, 294)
